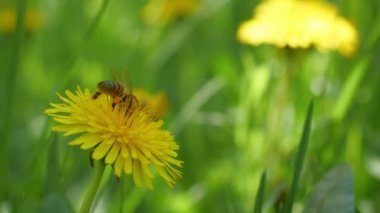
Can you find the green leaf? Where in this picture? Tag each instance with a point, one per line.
(350, 87)
(300, 158)
(54, 202)
(334, 193)
(260, 193)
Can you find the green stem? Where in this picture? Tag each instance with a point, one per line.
(93, 188)
(14, 60)
(350, 88)
(86, 37)
(300, 158)
(121, 196)
(6, 120)
(96, 20)
(260, 194)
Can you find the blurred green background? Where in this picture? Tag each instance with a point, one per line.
(233, 108)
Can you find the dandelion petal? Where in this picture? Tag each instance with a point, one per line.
(128, 165)
(119, 166)
(86, 139)
(101, 151)
(112, 155)
(165, 175)
(137, 173)
(146, 176)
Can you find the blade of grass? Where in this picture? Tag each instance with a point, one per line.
(350, 87)
(260, 194)
(96, 19)
(178, 35)
(373, 37)
(10, 88)
(208, 90)
(70, 62)
(300, 157)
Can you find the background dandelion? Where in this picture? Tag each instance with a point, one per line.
(300, 24)
(235, 109)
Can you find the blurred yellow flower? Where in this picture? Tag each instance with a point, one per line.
(8, 16)
(131, 140)
(164, 11)
(157, 102)
(299, 24)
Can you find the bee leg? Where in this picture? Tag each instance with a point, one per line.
(129, 106)
(124, 98)
(116, 100)
(132, 104)
(96, 95)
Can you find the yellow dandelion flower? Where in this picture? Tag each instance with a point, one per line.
(8, 16)
(131, 140)
(164, 11)
(299, 24)
(157, 102)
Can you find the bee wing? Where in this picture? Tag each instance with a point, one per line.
(122, 77)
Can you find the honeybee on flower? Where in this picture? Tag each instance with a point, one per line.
(119, 89)
(158, 102)
(120, 131)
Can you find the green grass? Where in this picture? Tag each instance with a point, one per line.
(260, 194)
(235, 110)
(299, 159)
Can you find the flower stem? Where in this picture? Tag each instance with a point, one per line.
(96, 20)
(90, 195)
(6, 109)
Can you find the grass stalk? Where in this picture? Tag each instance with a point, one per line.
(260, 194)
(10, 87)
(350, 88)
(96, 20)
(300, 158)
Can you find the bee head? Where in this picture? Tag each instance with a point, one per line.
(105, 86)
(101, 85)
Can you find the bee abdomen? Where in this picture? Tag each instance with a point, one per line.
(112, 88)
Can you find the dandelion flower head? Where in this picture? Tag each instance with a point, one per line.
(156, 102)
(131, 140)
(8, 16)
(161, 12)
(299, 24)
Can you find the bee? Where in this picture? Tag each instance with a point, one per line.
(121, 94)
